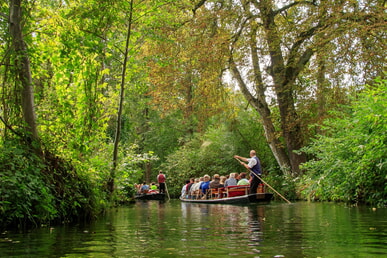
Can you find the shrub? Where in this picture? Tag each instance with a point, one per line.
(36, 190)
(350, 159)
(24, 196)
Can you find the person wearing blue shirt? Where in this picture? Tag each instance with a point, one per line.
(205, 185)
(144, 188)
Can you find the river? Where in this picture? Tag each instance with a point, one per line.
(175, 229)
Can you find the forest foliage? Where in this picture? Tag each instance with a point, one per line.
(350, 158)
(203, 80)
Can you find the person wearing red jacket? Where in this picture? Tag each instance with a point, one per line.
(161, 180)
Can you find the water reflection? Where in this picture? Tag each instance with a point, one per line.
(237, 228)
(257, 219)
(174, 229)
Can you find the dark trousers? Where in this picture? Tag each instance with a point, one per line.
(162, 187)
(254, 184)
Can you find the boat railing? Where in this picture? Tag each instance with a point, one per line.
(218, 193)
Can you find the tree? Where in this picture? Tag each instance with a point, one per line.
(22, 67)
(121, 100)
(274, 43)
(186, 61)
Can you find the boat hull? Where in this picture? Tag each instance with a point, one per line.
(260, 198)
(149, 197)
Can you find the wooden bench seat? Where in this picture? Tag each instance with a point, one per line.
(237, 190)
(216, 192)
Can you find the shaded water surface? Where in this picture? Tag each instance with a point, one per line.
(174, 229)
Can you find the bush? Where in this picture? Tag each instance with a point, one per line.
(350, 159)
(285, 184)
(37, 191)
(24, 195)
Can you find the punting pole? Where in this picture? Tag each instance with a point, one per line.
(166, 189)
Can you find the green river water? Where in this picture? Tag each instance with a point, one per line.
(175, 229)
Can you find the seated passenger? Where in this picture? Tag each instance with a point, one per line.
(184, 192)
(153, 186)
(144, 188)
(190, 184)
(201, 180)
(243, 180)
(138, 188)
(194, 188)
(231, 180)
(215, 183)
(222, 181)
(205, 185)
(237, 177)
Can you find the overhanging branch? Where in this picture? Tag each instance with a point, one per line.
(198, 5)
(294, 4)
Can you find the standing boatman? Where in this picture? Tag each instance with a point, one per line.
(254, 166)
(161, 180)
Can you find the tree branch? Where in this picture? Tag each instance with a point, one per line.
(301, 39)
(198, 5)
(236, 36)
(293, 4)
(241, 83)
(10, 127)
(293, 71)
(294, 66)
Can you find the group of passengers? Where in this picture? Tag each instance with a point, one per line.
(160, 187)
(145, 188)
(196, 187)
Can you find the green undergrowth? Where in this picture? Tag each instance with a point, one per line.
(37, 190)
(350, 158)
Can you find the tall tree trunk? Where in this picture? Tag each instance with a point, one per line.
(284, 77)
(148, 171)
(291, 129)
(4, 96)
(121, 100)
(22, 67)
(258, 101)
(260, 104)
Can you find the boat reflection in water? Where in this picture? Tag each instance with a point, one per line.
(236, 225)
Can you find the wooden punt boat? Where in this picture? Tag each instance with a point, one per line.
(261, 198)
(150, 196)
(230, 195)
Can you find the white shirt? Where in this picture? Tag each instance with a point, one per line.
(252, 162)
(183, 191)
